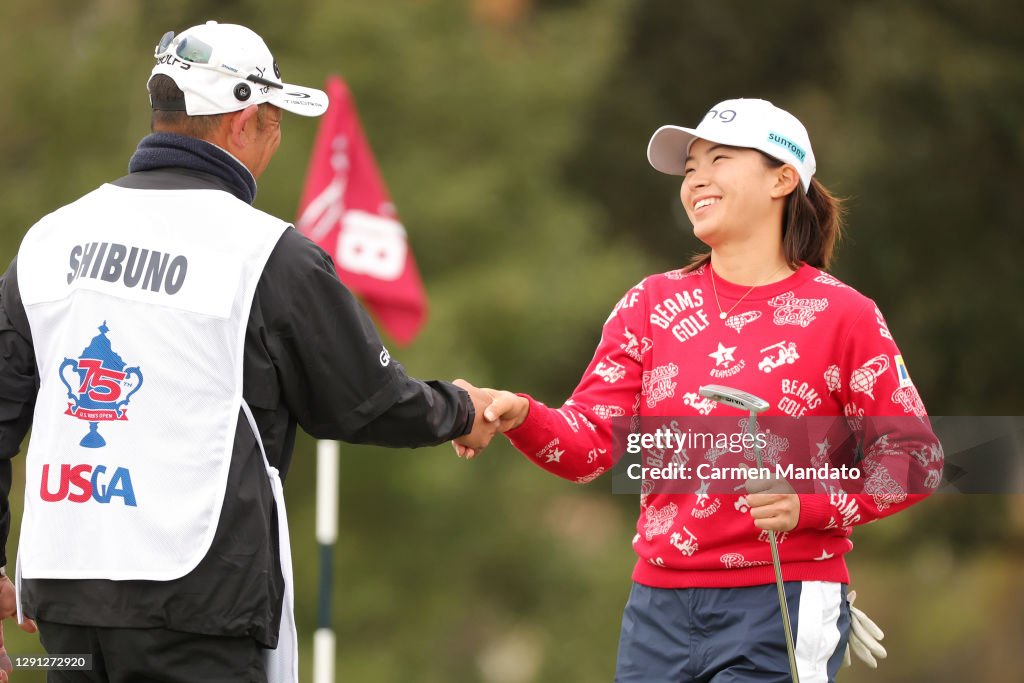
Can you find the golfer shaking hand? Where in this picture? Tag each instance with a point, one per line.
(759, 313)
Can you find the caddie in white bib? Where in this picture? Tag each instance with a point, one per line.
(139, 337)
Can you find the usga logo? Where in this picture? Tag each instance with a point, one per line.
(80, 483)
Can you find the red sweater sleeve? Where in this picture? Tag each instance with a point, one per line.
(575, 441)
(902, 459)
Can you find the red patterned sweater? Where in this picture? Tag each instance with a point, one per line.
(809, 345)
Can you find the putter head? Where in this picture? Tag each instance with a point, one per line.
(734, 397)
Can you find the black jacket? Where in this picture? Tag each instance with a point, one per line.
(311, 359)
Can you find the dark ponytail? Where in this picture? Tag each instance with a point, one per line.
(811, 228)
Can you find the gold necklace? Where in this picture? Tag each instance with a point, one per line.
(722, 315)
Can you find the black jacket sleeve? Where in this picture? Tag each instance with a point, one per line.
(18, 386)
(320, 354)
(333, 372)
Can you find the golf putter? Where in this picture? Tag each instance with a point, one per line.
(744, 401)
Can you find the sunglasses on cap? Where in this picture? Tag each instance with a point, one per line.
(196, 52)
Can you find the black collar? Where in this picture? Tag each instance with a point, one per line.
(192, 160)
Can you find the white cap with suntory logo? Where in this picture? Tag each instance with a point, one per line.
(757, 124)
(223, 68)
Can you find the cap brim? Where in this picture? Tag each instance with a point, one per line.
(668, 147)
(300, 100)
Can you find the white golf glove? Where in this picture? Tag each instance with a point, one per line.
(865, 637)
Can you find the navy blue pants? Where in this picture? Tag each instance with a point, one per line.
(732, 635)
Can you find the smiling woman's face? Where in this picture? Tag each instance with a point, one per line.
(727, 192)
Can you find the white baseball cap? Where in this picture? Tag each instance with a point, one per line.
(757, 124)
(223, 68)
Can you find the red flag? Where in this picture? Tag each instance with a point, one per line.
(346, 209)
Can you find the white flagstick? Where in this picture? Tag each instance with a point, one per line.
(327, 456)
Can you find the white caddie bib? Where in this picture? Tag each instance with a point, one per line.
(138, 302)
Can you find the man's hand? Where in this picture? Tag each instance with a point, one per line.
(8, 608)
(773, 504)
(496, 411)
(484, 426)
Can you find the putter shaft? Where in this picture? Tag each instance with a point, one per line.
(777, 565)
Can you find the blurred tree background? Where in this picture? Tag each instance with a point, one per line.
(512, 136)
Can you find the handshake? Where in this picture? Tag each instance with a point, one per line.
(496, 411)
